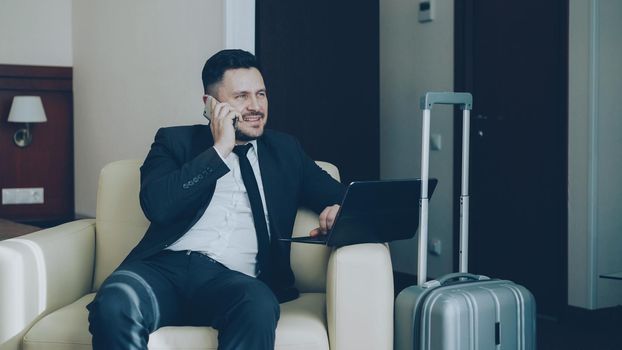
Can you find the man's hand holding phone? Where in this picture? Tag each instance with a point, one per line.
(223, 118)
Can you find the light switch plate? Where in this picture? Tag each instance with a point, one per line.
(22, 195)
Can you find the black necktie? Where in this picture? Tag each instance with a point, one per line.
(261, 229)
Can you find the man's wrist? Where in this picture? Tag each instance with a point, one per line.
(218, 152)
(222, 151)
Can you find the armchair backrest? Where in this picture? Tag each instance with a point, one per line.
(120, 224)
(119, 220)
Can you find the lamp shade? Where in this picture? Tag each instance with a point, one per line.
(27, 109)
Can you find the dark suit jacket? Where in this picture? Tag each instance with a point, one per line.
(179, 176)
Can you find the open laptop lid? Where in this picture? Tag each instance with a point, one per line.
(375, 212)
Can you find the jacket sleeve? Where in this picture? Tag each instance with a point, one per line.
(171, 189)
(319, 189)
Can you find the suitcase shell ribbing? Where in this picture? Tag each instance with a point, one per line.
(488, 314)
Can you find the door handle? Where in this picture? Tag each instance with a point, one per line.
(479, 131)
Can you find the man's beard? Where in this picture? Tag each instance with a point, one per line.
(241, 136)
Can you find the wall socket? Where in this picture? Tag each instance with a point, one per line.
(436, 142)
(435, 247)
(22, 195)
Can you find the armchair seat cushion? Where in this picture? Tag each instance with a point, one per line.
(302, 326)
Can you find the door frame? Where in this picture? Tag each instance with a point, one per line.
(239, 17)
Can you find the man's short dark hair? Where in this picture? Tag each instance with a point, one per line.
(216, 66)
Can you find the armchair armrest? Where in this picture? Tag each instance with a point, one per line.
(27, 263)
(359, 297)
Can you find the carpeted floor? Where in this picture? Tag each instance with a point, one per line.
(602, 331)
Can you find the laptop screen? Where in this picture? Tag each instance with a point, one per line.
(378, 211)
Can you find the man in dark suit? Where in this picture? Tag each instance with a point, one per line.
(219, 197)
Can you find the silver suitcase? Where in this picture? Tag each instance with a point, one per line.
(459, 311)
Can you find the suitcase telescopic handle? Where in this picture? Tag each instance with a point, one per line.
(454, 278)
(465, 101)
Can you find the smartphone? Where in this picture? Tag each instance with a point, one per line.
(209, 106)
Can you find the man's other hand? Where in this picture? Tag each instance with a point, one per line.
(327, 219)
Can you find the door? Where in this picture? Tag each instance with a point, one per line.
(512, 56)
(320, 61)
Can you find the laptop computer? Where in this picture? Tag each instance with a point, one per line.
(374, 212)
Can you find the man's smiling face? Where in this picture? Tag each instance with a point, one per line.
(244, 90)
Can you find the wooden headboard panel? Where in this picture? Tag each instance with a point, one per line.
(48, 161)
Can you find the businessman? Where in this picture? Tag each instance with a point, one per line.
(219, 197)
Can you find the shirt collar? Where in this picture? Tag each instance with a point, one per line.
(254, 148)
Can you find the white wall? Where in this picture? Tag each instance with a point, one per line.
(595, 164)
(35, 32)
(609, 173)
(415, 58)
(137, 67)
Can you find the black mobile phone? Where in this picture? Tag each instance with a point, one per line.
(209, 105)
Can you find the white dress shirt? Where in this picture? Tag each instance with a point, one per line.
(226, 231)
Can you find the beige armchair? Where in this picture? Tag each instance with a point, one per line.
(48, 277)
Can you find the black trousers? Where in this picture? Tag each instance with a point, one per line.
(182, 289)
